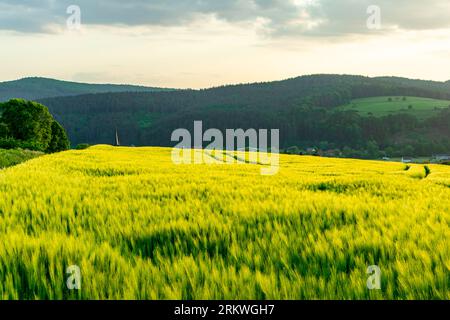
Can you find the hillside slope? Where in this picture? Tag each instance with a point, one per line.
(222, 231)
(304, 109)
(38, 88)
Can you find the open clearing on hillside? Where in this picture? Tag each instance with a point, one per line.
(140, 227)
(383, 106)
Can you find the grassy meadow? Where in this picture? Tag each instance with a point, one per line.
(140, 227)
(12, 157)
(382, 106)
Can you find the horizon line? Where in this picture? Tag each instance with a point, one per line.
(219, 86)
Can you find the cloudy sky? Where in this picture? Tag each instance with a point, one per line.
(203, 43)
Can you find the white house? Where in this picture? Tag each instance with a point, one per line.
(441, 157)
(407, 159)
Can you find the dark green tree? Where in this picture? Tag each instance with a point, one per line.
(3, 130)
(32, 126)
(373, 151)
(59, 141)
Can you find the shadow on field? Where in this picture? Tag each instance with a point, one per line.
(175, 242)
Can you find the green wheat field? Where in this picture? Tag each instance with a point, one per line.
(140, 227)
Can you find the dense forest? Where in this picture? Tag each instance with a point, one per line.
(304, 109)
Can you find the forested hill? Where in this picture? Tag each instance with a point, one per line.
(38, 88)
(304, 109)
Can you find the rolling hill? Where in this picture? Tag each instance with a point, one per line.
(305, 109)
(38, 88)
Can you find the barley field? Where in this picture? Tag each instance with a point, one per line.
(140, 227)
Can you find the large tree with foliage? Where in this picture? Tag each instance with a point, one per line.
(30, 124)
(59, 139)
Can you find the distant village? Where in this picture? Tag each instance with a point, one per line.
(337, 153)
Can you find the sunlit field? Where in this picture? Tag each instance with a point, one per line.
(140, 227)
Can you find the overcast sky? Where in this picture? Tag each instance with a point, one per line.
(200, 43)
